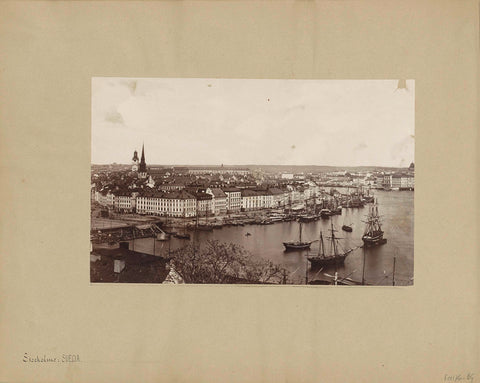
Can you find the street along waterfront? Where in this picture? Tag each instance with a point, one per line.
(396, 209)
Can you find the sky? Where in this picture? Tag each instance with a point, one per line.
(249, 121)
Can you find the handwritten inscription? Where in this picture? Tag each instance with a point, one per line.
(459, 377)
(63, 358)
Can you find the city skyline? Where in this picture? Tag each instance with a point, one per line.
(245, 122)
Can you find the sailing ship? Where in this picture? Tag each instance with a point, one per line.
(335, 257)
(373, 235)
(183, 235)
(309, 215)
(298, 245)
(325, 213)
(206, 226)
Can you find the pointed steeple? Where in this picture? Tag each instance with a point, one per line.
(143, 165)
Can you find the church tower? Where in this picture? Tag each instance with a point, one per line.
(135, 162)
(142, 170)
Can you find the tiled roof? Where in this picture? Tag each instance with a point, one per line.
(276, 191)
(249, 193)
(231, 190)
(218, 193)
(140, 267)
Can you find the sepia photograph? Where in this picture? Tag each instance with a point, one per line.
(252, 181)
(272, 188)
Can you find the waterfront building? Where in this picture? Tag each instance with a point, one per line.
(255, 199)
(407, 181)
(387, 181)
(204, 203)
(124, 202)
(279, 197)
(219, 200)
(105, 198)
(169, 204)
(396, 181)
(251, 200)
(266, 199)
(234, 199)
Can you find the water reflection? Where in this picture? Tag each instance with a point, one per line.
(395, 208)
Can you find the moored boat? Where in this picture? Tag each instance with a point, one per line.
(325, 213)
(373, 235)
(336, 257)
(307, 218)
(298, 245)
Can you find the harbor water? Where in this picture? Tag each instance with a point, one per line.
(396, 209)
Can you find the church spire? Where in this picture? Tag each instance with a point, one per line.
(143, 165)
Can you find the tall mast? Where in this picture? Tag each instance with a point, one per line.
(363, 272)
(334, 246)
(306, 273)
(321, 246)
(394, 259)
(300, 240)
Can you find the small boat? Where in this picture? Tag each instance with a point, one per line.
(347, 228)
(337, 210)
(373, 235)
(335, 258)
(307, 218)
(266, 222)
(325, 213)
(297, 245)
(247, 234)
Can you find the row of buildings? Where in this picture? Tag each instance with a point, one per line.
(192, 201)
(206, 191)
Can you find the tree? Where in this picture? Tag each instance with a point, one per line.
(219, 262)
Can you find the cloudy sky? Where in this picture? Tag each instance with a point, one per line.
(269, 122)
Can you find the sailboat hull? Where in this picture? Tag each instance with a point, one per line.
(182, 236)
(296, 245)
(327, 261)
(373, 240)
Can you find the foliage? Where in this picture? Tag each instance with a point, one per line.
(219, 262)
